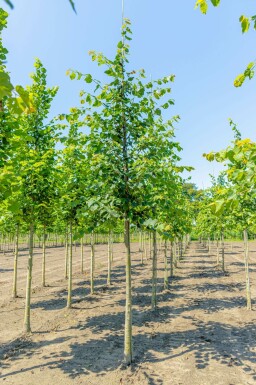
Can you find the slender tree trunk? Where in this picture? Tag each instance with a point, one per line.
(15, 267)
(171, 260)
(44, 257)
(82, 254)
(69, 300)
(166, 278)
(145, 246)
(218, 252)
(127, 195)
(142, 243)
(177, 251)
(150, 245)
(181, 250)
(175, 254)
(109, 259)
(92, 263)
(27, 325)
(66, 254)
(112, 246)
(247, 275)
(128, 302)
(222, 252)
(154, 273)
(142, 257)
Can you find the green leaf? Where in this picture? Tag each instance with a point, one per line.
(245, 23)
(251, 65)
(6, 86)
(14, 207)
(88, 78)
(210, 157)
(219, 206)
(72, 5)
(239, 80)
(249, 72)
(215, 2)
(23, 94)
(97, 103)
(254, 21)
(8, 2)
(202, 4)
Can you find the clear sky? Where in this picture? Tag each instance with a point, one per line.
(169, 37)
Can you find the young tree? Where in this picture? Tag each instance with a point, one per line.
(241, 200)
(123, 129)
(33, 161)
(71, 184)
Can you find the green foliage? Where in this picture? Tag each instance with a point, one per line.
(6, 87)
(245, 23)
(203, 5)
(237, 133)
(33, 153)
(248, 73)
(239, 198)
(5, 83)
(72, 173)
(16, 105)
(130, 148)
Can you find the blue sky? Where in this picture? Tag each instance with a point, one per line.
(169, 37)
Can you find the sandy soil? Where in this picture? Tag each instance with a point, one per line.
(201, 334)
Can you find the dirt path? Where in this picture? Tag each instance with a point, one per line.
(201, 334)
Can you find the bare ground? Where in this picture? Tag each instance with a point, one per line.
(201, 334)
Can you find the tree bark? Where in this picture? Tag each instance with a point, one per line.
(27, 325)
(171, 260)
(66, 254)
(154, 273)
(128, 302)
(44, 257)
(247, 275)
(82, 254)
(166, 278)
(218, 254)
(109, 259)
(15, 267)
(69, 300)
(222, 252)
(175, 254)
(112, 246)
(92, 263)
